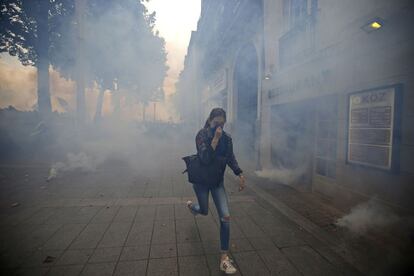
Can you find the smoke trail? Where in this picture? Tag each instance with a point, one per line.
(366, 216)
(282, 175)
(80, 161)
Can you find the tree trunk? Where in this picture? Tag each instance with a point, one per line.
(116, 102)
(143, 111)
(42, 64)
(80, 62)
(99, 103)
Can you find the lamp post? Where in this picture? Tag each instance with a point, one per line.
(155, 107)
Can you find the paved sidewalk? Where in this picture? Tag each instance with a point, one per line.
(386, 250)
(122, 221)
(131, 219)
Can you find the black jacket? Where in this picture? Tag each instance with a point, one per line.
(223, 154)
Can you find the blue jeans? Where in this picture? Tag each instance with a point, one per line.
(221, 201)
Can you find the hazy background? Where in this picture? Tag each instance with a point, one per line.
(174, 20)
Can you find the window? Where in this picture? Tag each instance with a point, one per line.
(298, 42)
(296, 11)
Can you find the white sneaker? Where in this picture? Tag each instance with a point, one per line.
(189, 208)
(226, 265)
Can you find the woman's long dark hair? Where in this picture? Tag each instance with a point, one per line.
(215, 112)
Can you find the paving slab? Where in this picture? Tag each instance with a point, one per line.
(161, 267)
(193, 265)
(134, 253)
(131, 268)
(308, 261)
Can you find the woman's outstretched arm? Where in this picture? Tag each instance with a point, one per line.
(231, 159)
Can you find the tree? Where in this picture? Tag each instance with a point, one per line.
(122, 46)
(119, 44)
(25, 27)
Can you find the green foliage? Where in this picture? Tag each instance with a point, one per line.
(18, 30)
(118, 41)
(119, 45)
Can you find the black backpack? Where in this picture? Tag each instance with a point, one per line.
(193, 168)
(199, 173)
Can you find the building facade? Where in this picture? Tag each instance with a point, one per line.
(224, 61)
(321, 88)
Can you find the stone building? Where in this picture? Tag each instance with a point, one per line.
(320, 88)
(222, 68)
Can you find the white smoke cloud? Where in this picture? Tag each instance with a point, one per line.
(366, 216)
(136, 145)
(282, 175)
(80, 161)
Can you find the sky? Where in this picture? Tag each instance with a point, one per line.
(175, 19)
